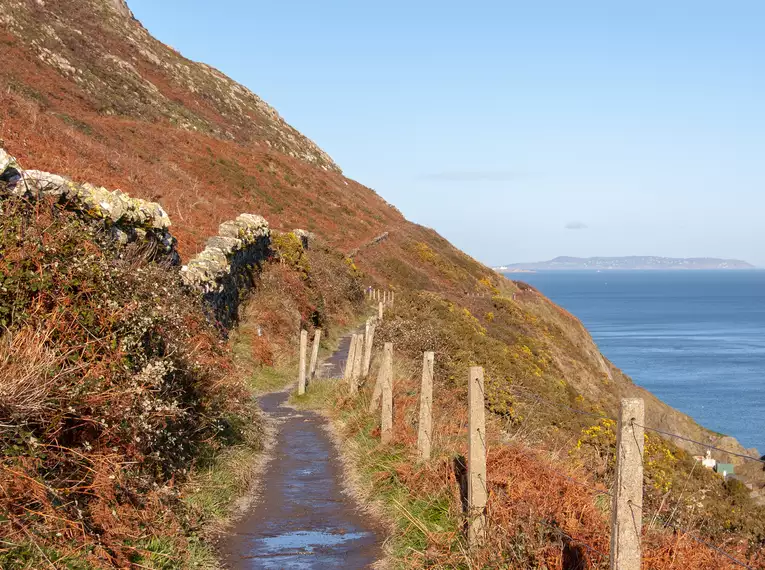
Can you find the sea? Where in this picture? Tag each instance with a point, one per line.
(696, 339)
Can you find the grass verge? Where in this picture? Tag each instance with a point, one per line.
(414, 520)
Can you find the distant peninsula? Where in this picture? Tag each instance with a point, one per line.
(631, 263)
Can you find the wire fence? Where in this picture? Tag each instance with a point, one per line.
(666, 524)
(525, 393)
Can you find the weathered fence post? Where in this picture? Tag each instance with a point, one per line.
(368, 342)
(378, 386)
(314, 354)
(349, 361)
(380, 311)
(392, 297)
(386, 425)
(358, 357)
(425, 430)
(477, 491)
(301, 373)
(627, 507)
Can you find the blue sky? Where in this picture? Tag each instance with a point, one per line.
(519, 130)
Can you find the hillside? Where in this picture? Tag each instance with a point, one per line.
(630, 263)
(91, 95)
(155, 314)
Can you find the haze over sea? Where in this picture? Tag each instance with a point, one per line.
(696, 339)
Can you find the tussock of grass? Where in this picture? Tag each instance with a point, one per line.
(319, 394)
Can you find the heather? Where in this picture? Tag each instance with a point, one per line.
(114, 387)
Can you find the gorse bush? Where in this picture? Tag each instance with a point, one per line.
(112, 383)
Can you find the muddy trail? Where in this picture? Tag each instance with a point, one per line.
(303, 518)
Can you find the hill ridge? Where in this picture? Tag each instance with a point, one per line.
(631, 262)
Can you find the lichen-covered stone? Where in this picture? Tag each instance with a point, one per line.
(5, 160)
(127, 219)
(304, 236)
(222, 272)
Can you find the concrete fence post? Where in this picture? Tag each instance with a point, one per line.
(627, 506)
(314, 354)
(358, 358)
(349, 361)
(425, 428)
(477, 491)
(368, 343)
(301, 372)
(377, 391)
(386, 425)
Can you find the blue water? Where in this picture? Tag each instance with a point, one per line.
(695, 339)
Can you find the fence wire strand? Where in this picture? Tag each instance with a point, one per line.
(703, 542)
(567, 477)
(705, 445)
(523, 393)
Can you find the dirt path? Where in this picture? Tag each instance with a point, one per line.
(303, 518)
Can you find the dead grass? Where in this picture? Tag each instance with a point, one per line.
(28, 372)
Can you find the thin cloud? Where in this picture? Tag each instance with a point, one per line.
(473, 176)
(576, 226)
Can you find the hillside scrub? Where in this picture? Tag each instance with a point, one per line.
(113, 386)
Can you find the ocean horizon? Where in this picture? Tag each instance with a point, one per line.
(695, 339)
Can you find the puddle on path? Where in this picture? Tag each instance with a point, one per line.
(303, 519)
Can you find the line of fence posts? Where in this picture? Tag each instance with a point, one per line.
(627, 501)
(386, 297)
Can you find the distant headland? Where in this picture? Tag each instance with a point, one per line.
(630, 263)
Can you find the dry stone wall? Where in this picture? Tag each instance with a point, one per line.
(225, 270)
(127, 219)
(223, 273)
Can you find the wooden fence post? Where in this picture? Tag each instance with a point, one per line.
(627, 506)
(386, 425)
(301, 372)
(349, 361)
(314, 354)
(380, 311)
(425, 428)
(477, 491)
(368, 342)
